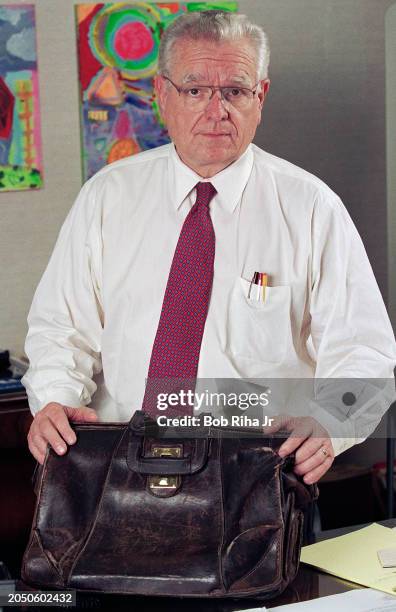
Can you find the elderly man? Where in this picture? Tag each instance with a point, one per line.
(151, 274)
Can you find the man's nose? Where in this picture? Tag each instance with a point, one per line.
(217, 107)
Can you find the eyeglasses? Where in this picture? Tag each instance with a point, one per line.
(197, 97)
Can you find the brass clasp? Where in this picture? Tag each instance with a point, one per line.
(159, 484)
(164, 483)
(166, 451)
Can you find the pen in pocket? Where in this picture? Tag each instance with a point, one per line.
(258, 285)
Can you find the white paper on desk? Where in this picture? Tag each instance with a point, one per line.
(263, 609)
(254, 610)
(357, 600)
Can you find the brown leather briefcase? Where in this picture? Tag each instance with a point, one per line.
(125, 511)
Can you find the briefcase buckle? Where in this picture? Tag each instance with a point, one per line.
(158, 484)
(164, 483)
(166, 451)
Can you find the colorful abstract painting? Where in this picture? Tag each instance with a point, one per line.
(117, 53)
(20, 134)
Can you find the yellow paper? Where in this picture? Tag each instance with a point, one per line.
(354, 557)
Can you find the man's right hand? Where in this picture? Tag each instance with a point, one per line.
(51, 426)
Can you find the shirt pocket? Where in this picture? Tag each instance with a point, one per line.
(260, 331)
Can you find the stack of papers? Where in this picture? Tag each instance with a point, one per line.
(354, 557)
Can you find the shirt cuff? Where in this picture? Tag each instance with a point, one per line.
(340, 432)
(66, 397)
(342, 444)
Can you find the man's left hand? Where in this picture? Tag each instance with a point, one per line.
(311, 442)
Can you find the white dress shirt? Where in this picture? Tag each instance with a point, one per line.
(96, 310)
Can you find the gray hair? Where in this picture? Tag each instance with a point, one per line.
(215, 26)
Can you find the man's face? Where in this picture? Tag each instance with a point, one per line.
(209, 139)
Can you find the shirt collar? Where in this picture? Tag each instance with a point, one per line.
(229, 183)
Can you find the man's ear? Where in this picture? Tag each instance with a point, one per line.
(161, 92)
(262, 94)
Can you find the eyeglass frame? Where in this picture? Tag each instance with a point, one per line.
(213, 88)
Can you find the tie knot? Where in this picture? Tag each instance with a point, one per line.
(205, 192)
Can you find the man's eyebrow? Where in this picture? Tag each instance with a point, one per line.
(199, 78)
(193, 78)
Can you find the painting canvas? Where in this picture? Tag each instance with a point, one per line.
(117, 53)
(20, 136)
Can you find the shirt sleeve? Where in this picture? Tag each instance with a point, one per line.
(66, 317)
(351, 333)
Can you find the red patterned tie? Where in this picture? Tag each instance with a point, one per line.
(177, 344)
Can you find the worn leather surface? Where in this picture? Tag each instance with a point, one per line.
(233, 528)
